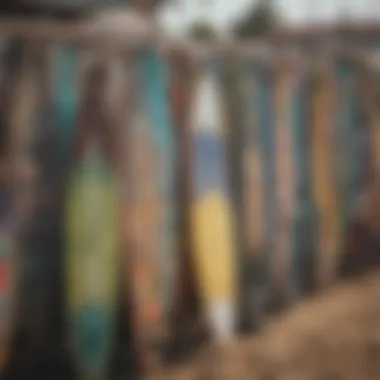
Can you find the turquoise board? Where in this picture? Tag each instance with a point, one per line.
(155, 94)
(304, 228)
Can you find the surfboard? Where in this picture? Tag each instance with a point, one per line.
(253, 204)
(66, 94)
(211, 217)
(41, 237)
(143, 213)
(154, 82)
(92, 260)
(353, 142)
(24, 121)
(304, 206)
(151, 207)
(324, 180)
(14, 91)
(362, 147)
(344, 81)
(181, 91)
(369, 95)
(263, 100)
(285, 179)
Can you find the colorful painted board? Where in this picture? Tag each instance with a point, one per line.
(154, 83)
(324, 180)
(32, 246)
(142, 226)
(16, 82)
(264, 105)
(92, 232)
(353, 134)
(181, 91)
(360, 149)
(211, 217)
(253, 205)
(285, 174)
(151, 204)
(304, 207)
(42, 235)
(368, 92)
(345, 89)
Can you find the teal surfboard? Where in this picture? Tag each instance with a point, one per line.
(92, 233)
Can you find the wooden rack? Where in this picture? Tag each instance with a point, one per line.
(89, 33)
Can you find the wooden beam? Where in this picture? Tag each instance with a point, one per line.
(101, 32)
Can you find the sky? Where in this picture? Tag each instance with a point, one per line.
(221, 13)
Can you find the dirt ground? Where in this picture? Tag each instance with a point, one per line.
(334, 336)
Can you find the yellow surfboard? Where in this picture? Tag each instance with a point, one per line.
(211, 216)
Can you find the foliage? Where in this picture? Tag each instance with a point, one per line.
(260, 20)
(203, 31)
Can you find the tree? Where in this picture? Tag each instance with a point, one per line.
(202, 31)
(260, 20)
